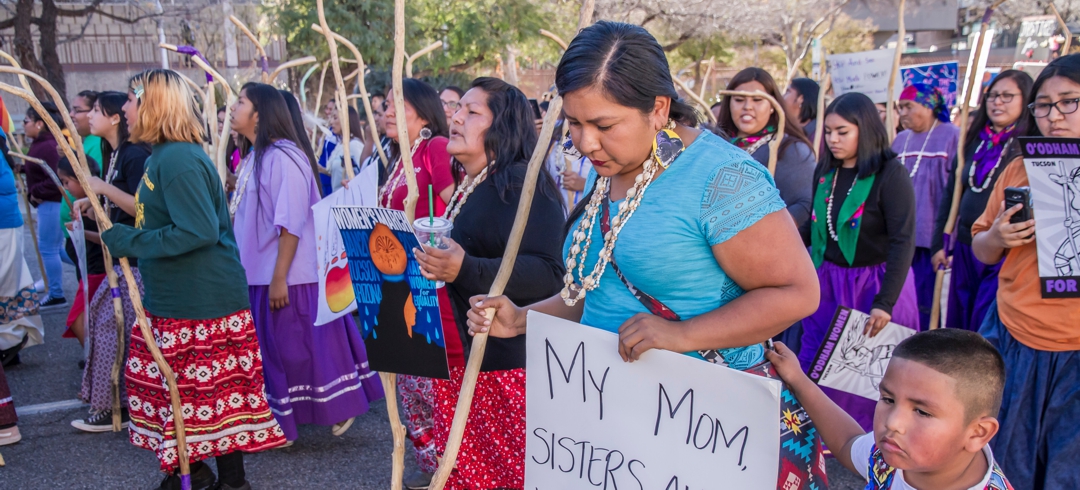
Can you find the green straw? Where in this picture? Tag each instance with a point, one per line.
(431, 212)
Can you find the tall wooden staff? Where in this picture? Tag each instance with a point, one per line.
(694, 96)
(479, 343)
(774, 145)
(413, 57)
(826, 83)
(77, 157)
(293, 64)
(364, 96)
(219, 146)
(339, 95)
(901, 34)
(958, 175)
(1064, 30)
(264, 63)
(554, 37)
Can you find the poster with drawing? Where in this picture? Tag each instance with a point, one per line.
(336, 298)
(852, 362)
(666, 420)
(398, 307)
(940, 75)
(1053, 169)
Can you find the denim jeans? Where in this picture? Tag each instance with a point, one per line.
(51, 242)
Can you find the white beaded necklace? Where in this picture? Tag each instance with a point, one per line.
(462, 193)
(582, 239)
(828, 208)
(918, 159)
(989, 176)
(397, 177)
(244, 174)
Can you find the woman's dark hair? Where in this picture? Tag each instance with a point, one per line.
(874, 149)
(809, 91)
(428, 106)
(1023, 82)
(625, 62)
(1066, 67)
(302, 140)
(111, 103)
(275, 123)
(63, 167)
(792, 131)
(90, 96)
(455, 89)
(51, 109)
(356, 129)
(510, 140)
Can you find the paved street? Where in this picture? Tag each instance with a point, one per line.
(53, 454)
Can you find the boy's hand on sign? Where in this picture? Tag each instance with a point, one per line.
(785, 361)
(1012, 235)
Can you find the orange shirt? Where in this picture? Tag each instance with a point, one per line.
(1042, 324)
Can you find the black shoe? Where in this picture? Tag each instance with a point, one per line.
(101, 421)
(10, 356)
(222, 486)
(50, 301)
(202, 478)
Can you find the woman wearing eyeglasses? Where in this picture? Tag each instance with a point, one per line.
(1002, 116)
(1038, 338)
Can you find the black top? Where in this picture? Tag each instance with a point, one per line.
(95, 259)
(887, 233)
(972, 204)
(482, 228)
(130, 165)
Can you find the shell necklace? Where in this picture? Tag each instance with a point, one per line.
(828, 209)
(462, 193)
(990, 176)
(397, 178)
(918, 159)
(582, 239)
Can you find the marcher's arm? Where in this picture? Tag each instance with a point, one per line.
(196, 227)
(898, 207)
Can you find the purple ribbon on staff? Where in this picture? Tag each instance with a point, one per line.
(115, 292)
(191, 51)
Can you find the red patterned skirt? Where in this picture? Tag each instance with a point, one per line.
(492, 452)
(219, 375)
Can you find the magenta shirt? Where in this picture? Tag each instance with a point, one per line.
(282, 199)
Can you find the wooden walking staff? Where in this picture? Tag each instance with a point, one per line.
(694, 96)
(479, 343)
(826, 84)
(339, 95)
(212, 75)
(413, 57)
(1064, 30)
(264, 63)
(890, 102)
(958, 175)
(364, 96)
(82, 173)
(293, 64)
(551, 35)
(774, 145)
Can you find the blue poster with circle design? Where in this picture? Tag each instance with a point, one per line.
(398, 308)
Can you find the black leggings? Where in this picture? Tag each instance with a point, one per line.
(230, 469)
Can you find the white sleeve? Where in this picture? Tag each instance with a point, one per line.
(860, 453)
(356, 148)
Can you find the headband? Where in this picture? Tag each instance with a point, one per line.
(928, 96)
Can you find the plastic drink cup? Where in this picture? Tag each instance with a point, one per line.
(433, 232)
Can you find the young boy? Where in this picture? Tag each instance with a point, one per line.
(939, 399)
(95, 261)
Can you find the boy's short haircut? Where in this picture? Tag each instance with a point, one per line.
(63, 167)
(968, 358)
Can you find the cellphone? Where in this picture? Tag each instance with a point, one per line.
(536, 109)
(1019, 195)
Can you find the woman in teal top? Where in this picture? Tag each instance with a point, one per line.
(196, 300)
(700, 242)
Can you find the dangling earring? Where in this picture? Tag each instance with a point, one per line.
(425, 133)
(667, 146)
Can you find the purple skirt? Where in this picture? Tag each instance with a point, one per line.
(853, 287)
(314, 374)
(925, 277)
(972, 289)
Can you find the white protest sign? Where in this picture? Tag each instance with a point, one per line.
(336, 295)
(866, 72)
(665, 421)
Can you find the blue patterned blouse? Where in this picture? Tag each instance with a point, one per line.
(709, 194)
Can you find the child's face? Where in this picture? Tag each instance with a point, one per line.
(72, 186)
(920, 424)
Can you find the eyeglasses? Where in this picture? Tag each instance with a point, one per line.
(1005, 97)
(451, 105)
(1064, 106)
